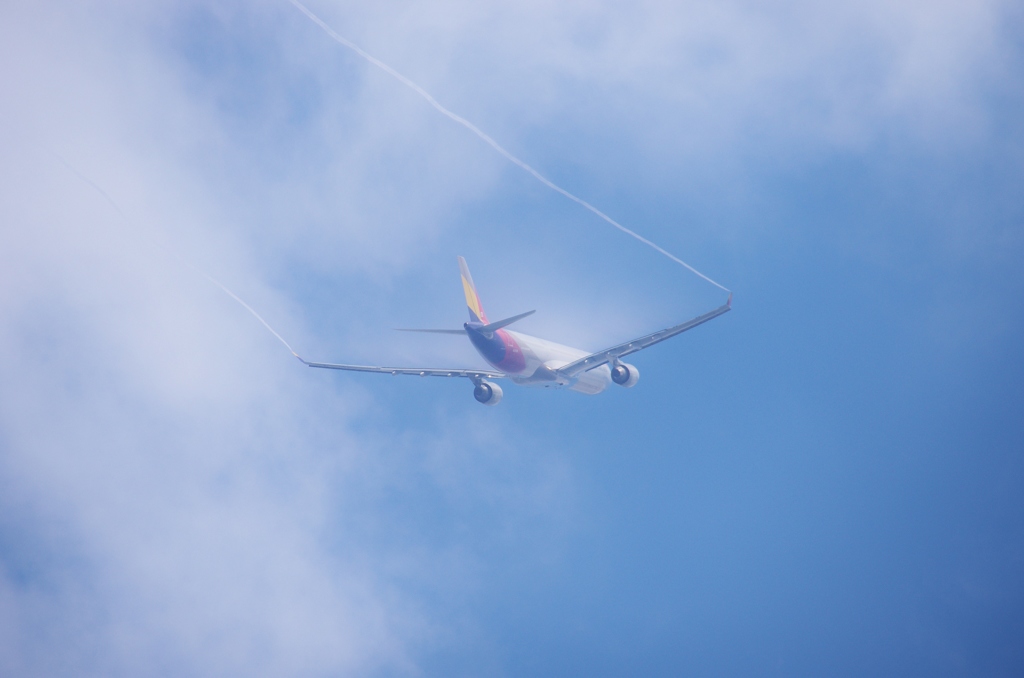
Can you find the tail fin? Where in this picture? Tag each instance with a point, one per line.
(476, 310)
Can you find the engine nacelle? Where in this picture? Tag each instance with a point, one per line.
(488, 393)
(625, 375)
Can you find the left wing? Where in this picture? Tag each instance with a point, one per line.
(632, 346)
(416, 371)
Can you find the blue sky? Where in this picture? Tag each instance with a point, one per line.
(825, 480)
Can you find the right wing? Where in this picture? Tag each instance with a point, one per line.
(416, 371)
(632, 346)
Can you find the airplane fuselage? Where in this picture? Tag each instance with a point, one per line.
(531, 361)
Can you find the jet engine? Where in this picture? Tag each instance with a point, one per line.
(625, 375)
(488, 393)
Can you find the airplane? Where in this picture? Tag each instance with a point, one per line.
(531, 361)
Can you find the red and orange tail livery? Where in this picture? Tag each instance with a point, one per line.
(476, 309)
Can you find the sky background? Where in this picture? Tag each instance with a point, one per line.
(826, 481)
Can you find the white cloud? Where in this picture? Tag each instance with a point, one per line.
(703, 71)
(178, 495)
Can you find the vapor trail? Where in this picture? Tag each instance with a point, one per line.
(128, 222)
(488, 140)
(248, 308)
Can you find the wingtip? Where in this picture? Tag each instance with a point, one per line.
(728, 302)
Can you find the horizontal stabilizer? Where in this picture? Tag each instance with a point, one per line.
(495, 326)
(405, 329)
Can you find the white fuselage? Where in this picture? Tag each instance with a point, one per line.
(531, 361)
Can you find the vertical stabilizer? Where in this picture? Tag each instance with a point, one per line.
(476, 309)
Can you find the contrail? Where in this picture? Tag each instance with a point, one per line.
(488, 140)
(248, 308)
(128, 222)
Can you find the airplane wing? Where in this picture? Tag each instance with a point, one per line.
(633, 345)
(416, 371)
